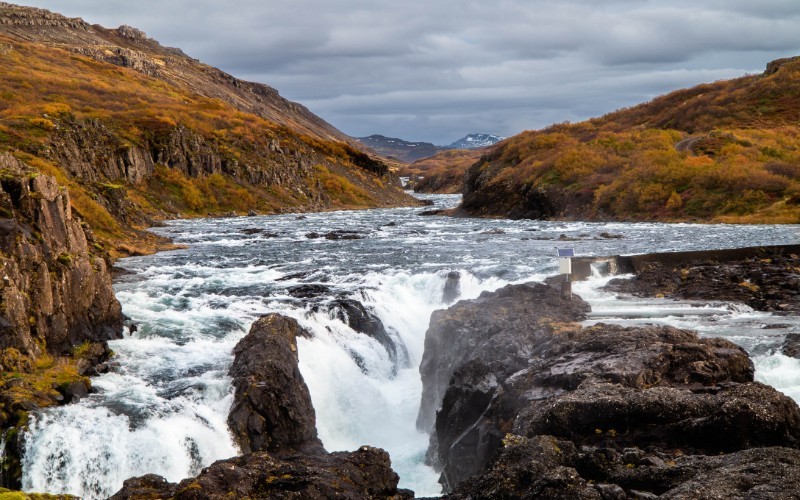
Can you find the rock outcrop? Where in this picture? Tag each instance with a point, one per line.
(273, 421)
(57, 306)
(56, 287)
(769, 281)
(537, 406)
(272, 407)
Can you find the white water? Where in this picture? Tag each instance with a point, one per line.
(164, 408)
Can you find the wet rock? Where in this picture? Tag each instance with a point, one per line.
(272, 407)
(502, 327)
(147, 486)
(541, 467)
(313, 235)
(365, 473)
(768, 282)
(309, 291)
(452, 287)
(252, 213)
(791, 345)
(610, 236)
(631, 401)
(251, 230)
(356, 316)
(341, 234)
(432, 212)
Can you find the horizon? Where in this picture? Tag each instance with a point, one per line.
(384, 69)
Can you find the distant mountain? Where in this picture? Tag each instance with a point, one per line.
(399, 149)
(475, 141)
(409, 152)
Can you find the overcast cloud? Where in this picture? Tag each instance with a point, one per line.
(436, 70)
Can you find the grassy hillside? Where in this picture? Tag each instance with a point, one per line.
(138, 135)
(443, 172)
(727, 151)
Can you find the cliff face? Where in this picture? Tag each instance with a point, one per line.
(56, 288)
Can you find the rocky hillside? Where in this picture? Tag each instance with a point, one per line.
(476, 141)
(727, 151)
(441, 173)
(138, 132)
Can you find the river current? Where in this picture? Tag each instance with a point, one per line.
(163, 407)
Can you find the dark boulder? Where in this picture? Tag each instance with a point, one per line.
(767, 282)
(502, 327)
(308, 291)
(272, 407)
(365, 473)
(516, 362)
(356, 316)
(791, 345)
(452, 287)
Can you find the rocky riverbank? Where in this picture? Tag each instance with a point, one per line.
(525, 402)
(273, 421)
(768, 280)
(57, 306)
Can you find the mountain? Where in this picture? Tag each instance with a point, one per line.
(139, 132)
(475, 141)
(727, 151)
(409, 152)
(399, 149)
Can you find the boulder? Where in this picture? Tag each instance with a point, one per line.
(356, 316)
(365, 473)
(272, 407)
(608, 396)
(452, 287)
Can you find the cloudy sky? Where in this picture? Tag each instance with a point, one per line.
(435, 70)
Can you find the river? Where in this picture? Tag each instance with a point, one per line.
(163, 408)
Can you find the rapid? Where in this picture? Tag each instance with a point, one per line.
(163, 407)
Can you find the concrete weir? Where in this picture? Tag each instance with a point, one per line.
(629, 264)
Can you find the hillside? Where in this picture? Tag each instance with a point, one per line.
(727, 151)
(139, 132)
(442, 172)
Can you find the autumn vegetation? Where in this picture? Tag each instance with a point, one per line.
(441, 173)
(48, 91)
(727, 152)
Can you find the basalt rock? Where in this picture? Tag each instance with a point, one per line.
(365, 473)
(585, 402)
(272, 407)
(273, 421)
(56, 287)
(356, 316)
(452, 287)
(503, 328)
(767, 282)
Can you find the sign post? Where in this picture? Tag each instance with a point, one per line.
(565, 268)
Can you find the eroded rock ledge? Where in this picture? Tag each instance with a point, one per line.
(534, 405)
(273, 421)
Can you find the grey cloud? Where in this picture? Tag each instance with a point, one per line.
(435, 71)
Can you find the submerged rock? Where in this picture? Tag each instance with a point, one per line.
(452, 287)
(356, 316)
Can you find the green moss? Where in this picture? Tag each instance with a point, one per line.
(64, 259)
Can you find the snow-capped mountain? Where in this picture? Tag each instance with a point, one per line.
(474, 141)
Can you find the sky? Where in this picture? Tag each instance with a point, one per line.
(435, 70)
